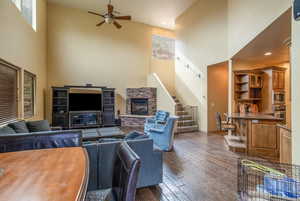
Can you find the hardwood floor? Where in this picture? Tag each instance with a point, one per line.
(199, 169)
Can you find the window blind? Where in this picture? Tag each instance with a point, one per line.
(29, 93)
(8, 92)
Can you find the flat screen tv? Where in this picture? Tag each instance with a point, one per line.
(85, 102)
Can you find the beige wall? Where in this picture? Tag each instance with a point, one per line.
(164, 98)
(201, 33)
(165, 69)
(295, 91)
(217, 93)
(23, 47)
(247, 18)
(80, 53)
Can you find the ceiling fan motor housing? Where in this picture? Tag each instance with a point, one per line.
(109, 20)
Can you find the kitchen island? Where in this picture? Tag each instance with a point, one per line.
(256, 135)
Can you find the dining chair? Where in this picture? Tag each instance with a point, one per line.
(125, 177)
(224, 125)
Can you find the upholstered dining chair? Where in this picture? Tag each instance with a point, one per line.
(125, 177)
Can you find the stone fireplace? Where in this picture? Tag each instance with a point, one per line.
(141, 101)
(140, 104)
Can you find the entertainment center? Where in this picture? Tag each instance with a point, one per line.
(83, 106)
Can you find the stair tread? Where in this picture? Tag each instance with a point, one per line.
(186, 115)
(194, 126)
(185, 121)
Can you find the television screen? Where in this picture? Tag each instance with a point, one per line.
(85, 102)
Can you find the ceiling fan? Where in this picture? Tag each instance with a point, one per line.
(110, 17)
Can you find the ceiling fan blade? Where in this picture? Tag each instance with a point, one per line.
(117, 25)
(98, 25)
(110, 9)
(123, 17)
(96, 14)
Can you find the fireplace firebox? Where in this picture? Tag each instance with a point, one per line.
(139, 106)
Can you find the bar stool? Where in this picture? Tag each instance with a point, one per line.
(224, 125)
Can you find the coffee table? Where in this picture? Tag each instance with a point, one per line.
(98, 133)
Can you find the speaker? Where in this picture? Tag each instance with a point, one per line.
(297, 10)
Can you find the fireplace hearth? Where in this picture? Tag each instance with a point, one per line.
(139, 106)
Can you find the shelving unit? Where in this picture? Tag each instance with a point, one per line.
(60, 107)
(248, 88)
(108, 115)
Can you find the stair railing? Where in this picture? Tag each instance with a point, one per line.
(193, 112)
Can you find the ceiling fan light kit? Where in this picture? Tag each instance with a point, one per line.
(110, 17)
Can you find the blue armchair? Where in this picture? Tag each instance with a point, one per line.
(160, 118)
(163, 134)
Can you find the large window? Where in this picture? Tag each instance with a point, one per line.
(163, 48)
(29, 94)
(8, 92)
(28, 10)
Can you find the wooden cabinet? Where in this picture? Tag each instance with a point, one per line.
(278, 80)
(108, 114)
(285, 145)
(60, 107)
(263, 139)
(248, 89)
(256, 81)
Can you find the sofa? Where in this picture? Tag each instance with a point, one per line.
(40, 140)
(102, 157)
(27, 127)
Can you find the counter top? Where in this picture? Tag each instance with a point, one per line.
(254, 116)
(283, 126)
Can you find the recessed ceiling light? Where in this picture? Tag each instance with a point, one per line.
(268, 53)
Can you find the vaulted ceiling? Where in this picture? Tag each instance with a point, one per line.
(161, 13)
(273, 39)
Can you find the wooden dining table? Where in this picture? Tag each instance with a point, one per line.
(44, 175)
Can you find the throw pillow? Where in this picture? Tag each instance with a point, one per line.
(7, 130)
(19, 127)
(38, 126)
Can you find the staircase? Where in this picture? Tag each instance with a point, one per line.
(185, 123)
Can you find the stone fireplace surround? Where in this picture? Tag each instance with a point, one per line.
(131, 120)
(142, 93)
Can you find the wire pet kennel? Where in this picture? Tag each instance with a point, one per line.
(268, 181)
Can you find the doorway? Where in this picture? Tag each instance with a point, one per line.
(217, 93)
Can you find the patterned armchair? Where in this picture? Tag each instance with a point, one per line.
(163, 134)
(159, 119)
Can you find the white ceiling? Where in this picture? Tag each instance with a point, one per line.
(161, 13)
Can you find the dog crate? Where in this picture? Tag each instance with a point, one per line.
(268, 181)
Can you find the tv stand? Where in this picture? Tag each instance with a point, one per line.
(84, 119)
(61, 114)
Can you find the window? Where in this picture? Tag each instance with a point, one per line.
(162, 47)
(8, 92)
(28, 10)
(29, 94)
